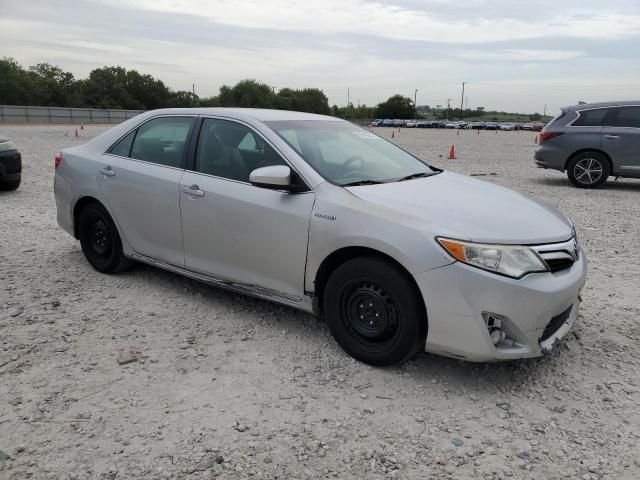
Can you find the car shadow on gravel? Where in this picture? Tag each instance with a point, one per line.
(611, 184)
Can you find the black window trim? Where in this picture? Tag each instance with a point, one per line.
(185, 151)
(193, 151)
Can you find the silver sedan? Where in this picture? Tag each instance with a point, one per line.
(322, 215)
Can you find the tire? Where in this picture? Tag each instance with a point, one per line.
(100, 240)
(393, 324)
(10, 185)
(588, 170)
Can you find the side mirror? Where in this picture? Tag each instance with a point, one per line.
(274, 177)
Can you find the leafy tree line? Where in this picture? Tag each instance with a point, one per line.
(116, 87)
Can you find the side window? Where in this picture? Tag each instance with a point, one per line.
(123, 147)
(162, 140)
(628, 117)
(591, 118)
(231, 150)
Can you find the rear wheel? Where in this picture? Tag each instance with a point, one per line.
(588, 170)
(374, 311)
(100, 240)
(11, 185)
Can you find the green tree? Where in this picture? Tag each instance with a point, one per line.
(16, 87)
(247, 93)
(396, 106)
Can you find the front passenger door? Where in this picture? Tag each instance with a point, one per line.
(237, 232)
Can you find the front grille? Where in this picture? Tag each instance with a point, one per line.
(559, 256)
(554, 325)
(557, 264)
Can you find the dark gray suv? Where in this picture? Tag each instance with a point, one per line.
(592, 141)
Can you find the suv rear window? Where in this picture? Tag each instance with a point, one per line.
(591, 118)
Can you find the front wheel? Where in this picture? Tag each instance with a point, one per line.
(100, 240)
(588, 170)
(374, 311)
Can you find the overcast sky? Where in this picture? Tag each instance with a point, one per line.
(515, 55)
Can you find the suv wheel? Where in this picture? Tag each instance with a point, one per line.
(100, 240)
(588, 170)
(374, 311)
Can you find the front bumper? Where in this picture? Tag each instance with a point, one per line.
(457, 295)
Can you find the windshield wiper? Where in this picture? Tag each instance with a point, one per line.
(416, 175)
(361, 182)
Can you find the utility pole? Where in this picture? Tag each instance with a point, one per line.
(348, 95)
(545, 110)
(415, 103)
(448, 107)
(462, 101)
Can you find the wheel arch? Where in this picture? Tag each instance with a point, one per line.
(585, 150)
(342, 255)
(80, 204)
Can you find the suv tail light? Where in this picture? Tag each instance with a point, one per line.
(544, 136)
(57, 160)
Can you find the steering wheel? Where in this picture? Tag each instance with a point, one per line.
(352, 169)
(353, 159)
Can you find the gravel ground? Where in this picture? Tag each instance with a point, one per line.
(221, 385)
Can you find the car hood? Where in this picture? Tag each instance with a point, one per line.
(478, 210)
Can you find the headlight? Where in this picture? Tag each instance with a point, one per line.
(8, 146)
(511, 260)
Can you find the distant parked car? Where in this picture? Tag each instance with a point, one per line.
(592, 141)
(10, 165)
(491, 126)
(508, 126)
(317, 213)
(398, 123)
(387, 123)
(475, 125)
(537, 126)
(376, 123)
(411, 124)
(526, 126)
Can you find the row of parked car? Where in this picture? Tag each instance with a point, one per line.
(508, 126)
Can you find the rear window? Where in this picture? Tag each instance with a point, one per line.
(628, 117)
(591, 118)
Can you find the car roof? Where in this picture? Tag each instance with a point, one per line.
(586, 106)
(260, 114)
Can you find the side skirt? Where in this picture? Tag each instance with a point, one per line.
(302, 303)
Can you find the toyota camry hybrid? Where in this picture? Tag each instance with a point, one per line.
(322, 215)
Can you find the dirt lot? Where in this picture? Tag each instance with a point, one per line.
(231, 387)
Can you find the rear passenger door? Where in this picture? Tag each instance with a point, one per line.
(621, 140)
(140, 179)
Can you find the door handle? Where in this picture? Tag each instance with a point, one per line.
(108, 171)
(611, 137)
(193, 190)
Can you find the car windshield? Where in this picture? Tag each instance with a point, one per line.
(346, 154)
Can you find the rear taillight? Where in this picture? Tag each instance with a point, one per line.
(57, 160)
(544, 136)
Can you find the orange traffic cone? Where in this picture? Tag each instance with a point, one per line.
(393, 134)
(535, 140)
(457, 132)
(478, 131)
(76, 135)
(452, 152)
